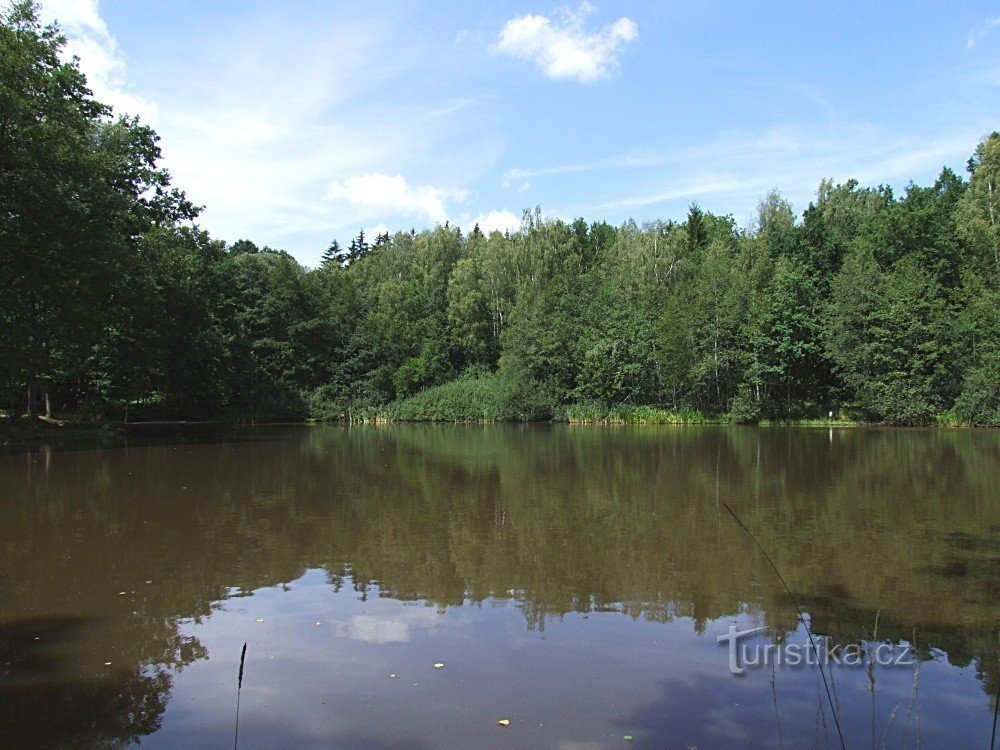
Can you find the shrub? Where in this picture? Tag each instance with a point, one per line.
(494, 397)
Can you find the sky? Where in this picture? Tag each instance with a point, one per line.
(300, 121)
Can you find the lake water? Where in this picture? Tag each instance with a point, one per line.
(571, 580)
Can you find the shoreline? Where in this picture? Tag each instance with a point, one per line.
(21, 434)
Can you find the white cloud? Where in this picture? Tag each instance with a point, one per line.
(676, 192)
(624, 161)
(494, 221)
(980, 31)
(100, 58)
(379, 194)
(563, 48)
(396, 626)
(373, 630)
(257, 143)
(736, 169)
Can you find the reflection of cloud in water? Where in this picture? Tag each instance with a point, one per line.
(388, 628)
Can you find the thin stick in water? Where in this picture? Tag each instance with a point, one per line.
(996, 710)
(239, 687)
(774, 697)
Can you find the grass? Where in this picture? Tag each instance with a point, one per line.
(627, 414)
(821, 422)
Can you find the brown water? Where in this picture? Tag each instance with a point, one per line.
(572, 580)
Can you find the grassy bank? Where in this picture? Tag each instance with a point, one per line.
(499, 398)
(628, 414)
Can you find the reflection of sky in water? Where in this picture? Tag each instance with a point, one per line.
(584, 681)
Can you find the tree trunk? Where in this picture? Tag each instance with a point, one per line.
(47, 394)
(32, 394)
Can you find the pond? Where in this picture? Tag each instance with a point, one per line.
(529, 586)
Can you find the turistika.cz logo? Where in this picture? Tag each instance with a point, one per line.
(745, 655)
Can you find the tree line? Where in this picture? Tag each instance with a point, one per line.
(115, 304)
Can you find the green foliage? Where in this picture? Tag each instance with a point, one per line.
(978, 402)
(77, 191)
(979, 209)
(489, 398)
(889, 335)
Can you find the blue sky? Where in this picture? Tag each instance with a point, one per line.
(297, 122)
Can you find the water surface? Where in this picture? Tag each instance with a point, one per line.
(572, 580)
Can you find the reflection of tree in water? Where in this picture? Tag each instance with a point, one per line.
(47, 699)
(560, 519)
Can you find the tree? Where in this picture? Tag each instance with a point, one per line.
(979, 209)
(334, 254)
(358, 248)
(697, 233)
(78, 189)
(889, 336)
(830, 224)
(978, 402)
(776, 225)
(790, 362)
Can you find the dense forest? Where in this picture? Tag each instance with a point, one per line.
(115, 304)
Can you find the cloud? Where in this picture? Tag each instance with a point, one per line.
(382, 194)
(976, 35)
(563, 48)
(267, 117)
(494, 221)
(623, 161)
(737, 169)
(373, 630)
(100, 58)
(676, 192)
(396, 626)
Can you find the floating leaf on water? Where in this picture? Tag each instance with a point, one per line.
(392, 675)
(121, 593)
(107, 664)
(504, 722)
(439, 665)
(319, 623)
(260, 619)
(627, 737)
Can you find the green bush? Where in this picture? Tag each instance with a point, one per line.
(331, 403)
(979, 401)
(743, 409)
(488, 398)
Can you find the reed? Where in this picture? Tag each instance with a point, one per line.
(802, 619)
(239, 689)
(593, 413)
